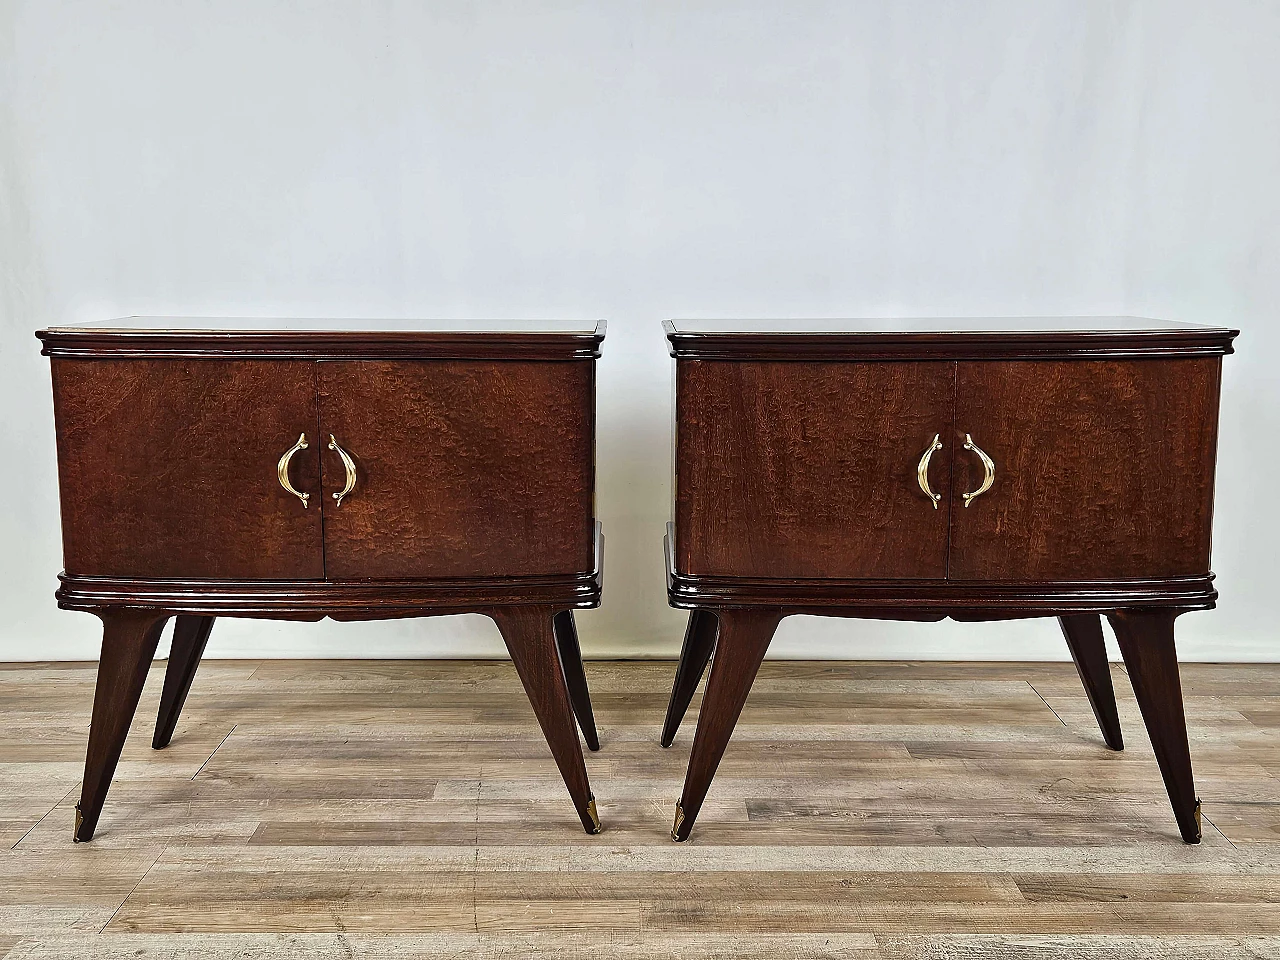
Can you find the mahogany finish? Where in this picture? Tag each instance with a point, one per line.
(153, 458)
(750, 447)
(1146, 643)
(575, 679)
(797, 445)
(467, 468)
(190, 635)
(129, 640)
(473, 446)
(699, 642)
(741, 642)
(530, 636)
(1105, 469)
(1089, 651)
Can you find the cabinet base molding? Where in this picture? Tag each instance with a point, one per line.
(339, 600)
(932, 600)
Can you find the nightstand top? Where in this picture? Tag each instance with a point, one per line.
(943, 338)
(249, 337)
(330, 325)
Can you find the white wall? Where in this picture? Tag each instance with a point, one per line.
(637, 160)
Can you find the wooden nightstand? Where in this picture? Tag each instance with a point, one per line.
(923, 469)
(308, 469)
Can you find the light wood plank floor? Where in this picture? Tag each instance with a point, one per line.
(872, 810)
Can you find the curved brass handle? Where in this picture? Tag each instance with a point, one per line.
(347, 464)
(922, 471)
(282, 470)
(988, 466)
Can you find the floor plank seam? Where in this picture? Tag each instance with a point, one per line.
(1045, 702)
(475, 866)
(44, 815)
(216, 749)
(134, 888)
(1219, 831)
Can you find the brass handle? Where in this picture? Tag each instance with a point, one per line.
(347, 464)
(988, 466)
(282, 470)
(922, 471)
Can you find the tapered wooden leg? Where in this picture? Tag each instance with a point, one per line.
(1146, 641)
(530, 636)
(699, 641)
(574, 677)
(743, 638)
(129, 639)
(1089, 651)
(190, 634)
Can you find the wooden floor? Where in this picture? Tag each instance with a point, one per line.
(872, 810)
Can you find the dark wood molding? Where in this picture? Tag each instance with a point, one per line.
(916, 599)
(1039, 345)
(340, 600)
(86, 342)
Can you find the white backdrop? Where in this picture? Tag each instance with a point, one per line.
(638, 160)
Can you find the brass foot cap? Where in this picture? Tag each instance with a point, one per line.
(75, 831)
(675, 827)
(591, 812)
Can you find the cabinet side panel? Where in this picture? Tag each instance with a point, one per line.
(167, 468)
(1104, 469)
(465, 468)
(808, 469)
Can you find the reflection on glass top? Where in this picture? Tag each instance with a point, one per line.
(274, 325)
(1010, 325)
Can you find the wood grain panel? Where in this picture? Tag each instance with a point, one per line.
(809, 469)
(466, 468)
(1104, 470)
(167, 468)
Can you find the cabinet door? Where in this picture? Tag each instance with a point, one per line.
(1103, 469)
(167, 468)
(799, 469)
(464, 468)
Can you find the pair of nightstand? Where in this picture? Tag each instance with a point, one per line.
(887, 469)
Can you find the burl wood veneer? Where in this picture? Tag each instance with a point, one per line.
(349, 469)
(923, 469)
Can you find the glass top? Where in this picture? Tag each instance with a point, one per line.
(277, 324)
(1010, 325)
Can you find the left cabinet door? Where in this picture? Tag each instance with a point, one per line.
(168, 469)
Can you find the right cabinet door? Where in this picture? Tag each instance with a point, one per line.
(462, 468)
(1102, 469)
